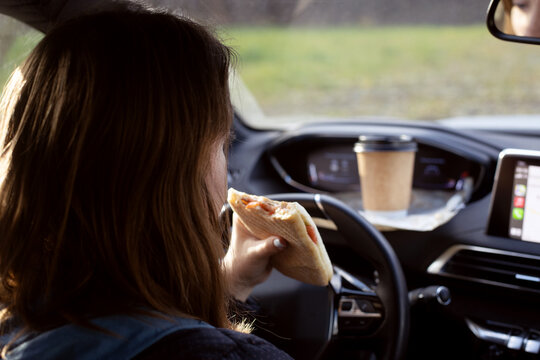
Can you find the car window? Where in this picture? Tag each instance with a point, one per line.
(16, 42)
(305, 60)
(419, 60)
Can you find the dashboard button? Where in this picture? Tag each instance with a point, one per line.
(532, 344)
(365, 306)
(346, 305)
(515, 342)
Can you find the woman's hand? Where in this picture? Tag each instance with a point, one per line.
(247, 262)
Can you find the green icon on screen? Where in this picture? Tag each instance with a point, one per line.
(517, 214)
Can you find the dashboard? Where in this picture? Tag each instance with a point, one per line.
(494, 277)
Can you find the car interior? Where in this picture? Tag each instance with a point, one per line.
(457, 277)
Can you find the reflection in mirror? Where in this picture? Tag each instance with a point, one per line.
(518, 17)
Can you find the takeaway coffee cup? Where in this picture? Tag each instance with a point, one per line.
(385, 166)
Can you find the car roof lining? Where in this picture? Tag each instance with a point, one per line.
(44, 14)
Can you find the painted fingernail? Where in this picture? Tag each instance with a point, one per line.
(278, 243)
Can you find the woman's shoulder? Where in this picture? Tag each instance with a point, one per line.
(212, 343)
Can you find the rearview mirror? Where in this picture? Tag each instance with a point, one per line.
(515, 20)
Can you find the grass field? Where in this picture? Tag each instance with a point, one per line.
(412, 72)
(17, 52)
(415, 72)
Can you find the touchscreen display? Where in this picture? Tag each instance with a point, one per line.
(524, 221)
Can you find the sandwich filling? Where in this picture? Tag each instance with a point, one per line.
(272, 210)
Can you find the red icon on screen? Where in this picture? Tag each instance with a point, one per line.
(519, 202)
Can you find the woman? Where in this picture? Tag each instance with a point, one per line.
(114, 135)
(521, 17)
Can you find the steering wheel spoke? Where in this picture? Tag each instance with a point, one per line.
(359, 311)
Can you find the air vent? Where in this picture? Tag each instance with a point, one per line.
(490, 266)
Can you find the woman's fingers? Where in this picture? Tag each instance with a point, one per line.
(269, 247)
(247, 262)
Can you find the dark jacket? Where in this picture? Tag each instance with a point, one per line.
(210, 344)
(139, 337)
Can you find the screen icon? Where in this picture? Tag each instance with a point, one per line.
(517, 214)
(520, 190)
(519, 202)
(515, 232)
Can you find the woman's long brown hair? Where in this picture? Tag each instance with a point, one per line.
(107, 131)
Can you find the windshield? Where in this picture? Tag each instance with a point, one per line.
(305, 60)
(309, 60)
(16, 42)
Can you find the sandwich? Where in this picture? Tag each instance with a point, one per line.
(305, 258)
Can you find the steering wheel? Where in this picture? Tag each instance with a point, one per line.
(347, 317)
